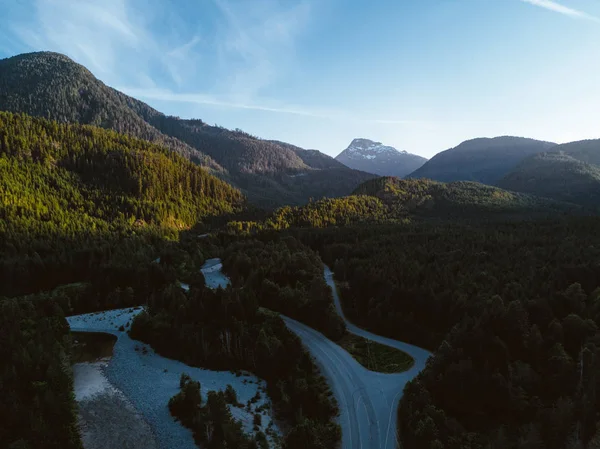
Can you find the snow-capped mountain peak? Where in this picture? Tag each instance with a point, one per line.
(375, 157)
(367, 149)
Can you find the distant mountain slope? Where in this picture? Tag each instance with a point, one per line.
(556, 175)
(584, 150)
(271, 173)
(460, 198)
(482, 160)
(383, 160)
(312, 158)
(51, 85)
(393, 200)
(237, 151)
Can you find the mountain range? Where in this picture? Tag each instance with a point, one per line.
(483, 160)
(565, 172)
(374, 157)
(270, 173)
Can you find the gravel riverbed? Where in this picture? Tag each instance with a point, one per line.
(148, 380)
(213, 274)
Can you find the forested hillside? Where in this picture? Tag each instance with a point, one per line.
(313, 158)
(394, 200)
(53, 86)
(556, 175)
(587, 151)
(272, 173)
(482, 160)
(455, 199)
(68, 190)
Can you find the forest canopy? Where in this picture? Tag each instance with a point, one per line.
(70, 192)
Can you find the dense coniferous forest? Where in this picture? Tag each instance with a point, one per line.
(511, 311)
(286, 277)
(556, 175)
(457, 200)
(72, 195)
(225, 329)
(393, 200)
(37, 406)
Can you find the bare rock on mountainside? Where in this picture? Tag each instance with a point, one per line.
(383, 160)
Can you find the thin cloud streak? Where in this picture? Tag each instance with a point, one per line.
(202, 99)
(256, 44)
(327, 114)
(250, 47)
(561, 9)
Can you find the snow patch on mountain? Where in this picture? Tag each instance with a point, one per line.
(367, 149)
(375, 157)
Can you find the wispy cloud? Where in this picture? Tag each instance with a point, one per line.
(561, 9)
(256, 42)
(96, 33)
(182, 52)
(233, 49)
(204, 99)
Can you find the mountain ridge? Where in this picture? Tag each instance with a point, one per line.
(556, 175)
(434, 198)
(482, 159)
(51, 85)
(587, 151)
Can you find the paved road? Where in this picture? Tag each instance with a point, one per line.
(368, 400)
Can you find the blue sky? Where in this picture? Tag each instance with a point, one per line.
(421, 75)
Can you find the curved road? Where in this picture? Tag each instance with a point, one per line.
(368, 400)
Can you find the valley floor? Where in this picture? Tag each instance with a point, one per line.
(106, 418)
(147, 381)
(140, 383)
